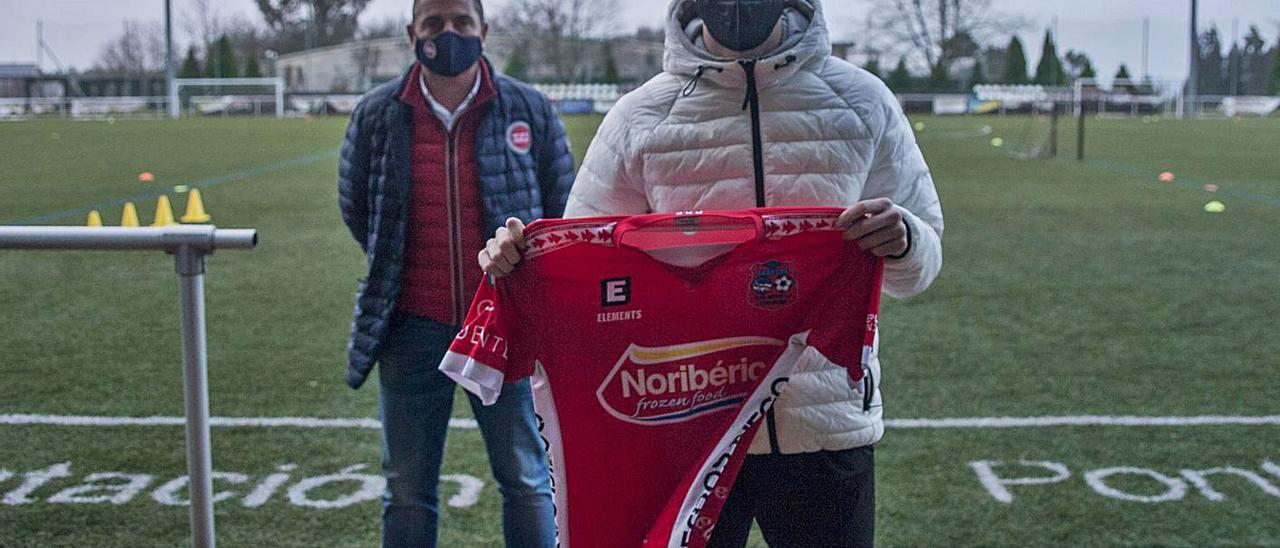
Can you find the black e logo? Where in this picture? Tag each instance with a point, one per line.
(615, 292)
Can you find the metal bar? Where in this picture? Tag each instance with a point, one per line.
(195, 376)
(189, 245)
(1080, 138)
(199, 237)
(169, 72)
(1193, 80)
(231, 81)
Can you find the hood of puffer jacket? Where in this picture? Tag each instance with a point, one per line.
(805, 41)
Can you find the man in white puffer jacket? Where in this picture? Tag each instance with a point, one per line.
(774, 121)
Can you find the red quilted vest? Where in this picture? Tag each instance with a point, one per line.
(446, 212)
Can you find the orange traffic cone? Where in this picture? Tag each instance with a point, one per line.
(95, 219)
(164, 213)
(130, 217)
(195, 209)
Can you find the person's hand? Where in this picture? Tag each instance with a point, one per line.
(502, 253)
(877, 226)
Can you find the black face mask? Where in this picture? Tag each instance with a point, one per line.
(449, 53)
(740, 25)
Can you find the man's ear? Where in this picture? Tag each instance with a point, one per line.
(413, 38)
(484, 32)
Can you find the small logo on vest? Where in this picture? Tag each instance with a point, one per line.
(520, 137)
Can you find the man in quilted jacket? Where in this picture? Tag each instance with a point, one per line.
(432, 163)
(752, 110)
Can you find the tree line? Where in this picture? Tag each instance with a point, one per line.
(944, 37)
(941, 39)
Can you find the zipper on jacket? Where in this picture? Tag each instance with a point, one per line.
(868, 390)
(752, 101)
(453, 204)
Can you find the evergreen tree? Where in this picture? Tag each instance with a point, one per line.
(1078, 65)
(873, 66)
(190, 65)
(940, 79)
(900, 79)
(1212, 67)
(1122, 75)
(978, 76)
(1256, 64)
(1015, 63)
(226, 60)
(1049, 72)
(251, 67)
(1275, 70)
(517, 67)
(610, 66)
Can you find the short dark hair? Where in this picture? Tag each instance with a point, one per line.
(479, 4)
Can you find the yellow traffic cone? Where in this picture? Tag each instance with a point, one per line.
(195, 209)
(164, 213)
(95, 219)
(130, 217)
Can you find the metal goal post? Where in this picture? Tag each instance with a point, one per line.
(189, 246)
(175, 90)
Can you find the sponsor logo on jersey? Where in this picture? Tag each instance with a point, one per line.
(520, 137)
(615, 292)
(620, 316)
(773, 284)
(678, 383)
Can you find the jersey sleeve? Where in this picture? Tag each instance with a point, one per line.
(845, 325)
(480, 358)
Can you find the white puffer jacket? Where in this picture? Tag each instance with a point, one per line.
(833, 135)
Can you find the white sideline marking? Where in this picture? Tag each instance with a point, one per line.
(1085, 420)
(903, 424)
(223, 422)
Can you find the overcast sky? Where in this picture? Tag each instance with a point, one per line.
(1110, 31)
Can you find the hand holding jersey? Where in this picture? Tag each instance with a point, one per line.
(503, 251)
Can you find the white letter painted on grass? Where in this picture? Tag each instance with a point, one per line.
(371, 487)
(1200, 479)
(1271, 468)
(115, 492)
(167, 494)
(263, 492)
(1175, 489)
(5, 474)
(995, 484)
(469, 492)
(34, 480)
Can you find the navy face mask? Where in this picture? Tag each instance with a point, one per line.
(740, 25)
(449, 53)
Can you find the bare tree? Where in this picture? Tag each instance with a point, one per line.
(936, 32)
(140, 49)
(559, 28)
(314, 23)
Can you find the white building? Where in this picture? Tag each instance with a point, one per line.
(358, 66)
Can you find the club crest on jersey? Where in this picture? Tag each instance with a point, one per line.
(519, 137)
(651, 386)
(773, 284)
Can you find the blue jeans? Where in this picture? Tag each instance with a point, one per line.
(415, 403)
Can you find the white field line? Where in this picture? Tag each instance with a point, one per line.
(896, 424)
(223, 422)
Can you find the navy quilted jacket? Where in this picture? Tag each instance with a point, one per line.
(374, 183)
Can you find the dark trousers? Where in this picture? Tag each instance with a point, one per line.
(824, 499)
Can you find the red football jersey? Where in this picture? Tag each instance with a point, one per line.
(656, 343)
